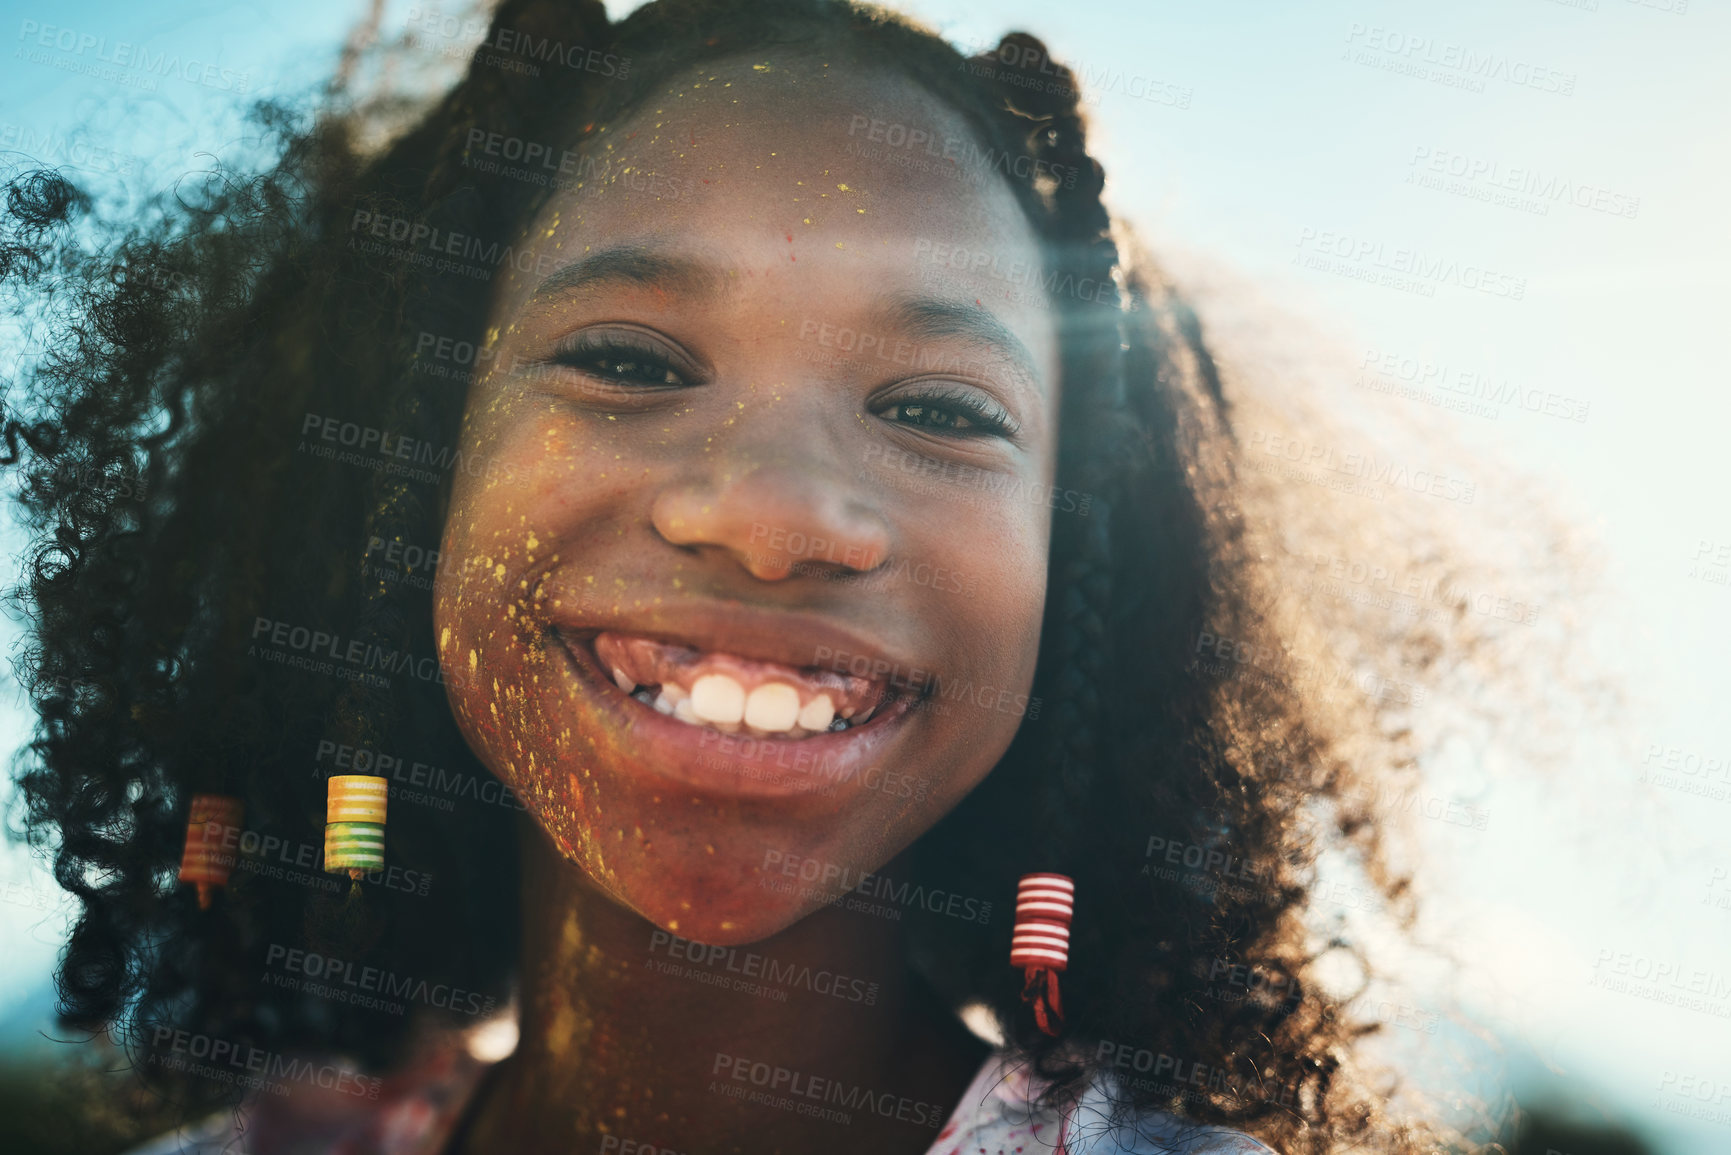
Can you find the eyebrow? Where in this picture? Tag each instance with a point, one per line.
(933, 319)
(632, 265)
(922, 318)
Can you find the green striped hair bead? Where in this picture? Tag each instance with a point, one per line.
(355, 824)
(354, 846)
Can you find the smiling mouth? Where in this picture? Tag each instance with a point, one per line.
(729, 694)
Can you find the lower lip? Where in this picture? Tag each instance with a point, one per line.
(824, 769)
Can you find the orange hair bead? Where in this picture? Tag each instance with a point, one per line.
(207, 860)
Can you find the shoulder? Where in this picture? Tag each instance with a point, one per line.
(409, 1112)
(218, 1133)
(997, 1112)
(1095, 1126)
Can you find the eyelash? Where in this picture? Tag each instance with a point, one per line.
(985, 417)
(607, 357)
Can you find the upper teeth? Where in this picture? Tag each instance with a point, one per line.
(772, 706)
(817, 714)
(740, 695)
(720, 701)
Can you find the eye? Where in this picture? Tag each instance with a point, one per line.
(619, 359)
(953, 412)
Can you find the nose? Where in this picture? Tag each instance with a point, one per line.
(771, 516)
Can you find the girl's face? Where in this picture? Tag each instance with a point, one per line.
(747, 555)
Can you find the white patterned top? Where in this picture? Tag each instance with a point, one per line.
(418, 1110)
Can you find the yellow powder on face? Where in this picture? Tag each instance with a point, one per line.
(561, 1028)
(570, 936)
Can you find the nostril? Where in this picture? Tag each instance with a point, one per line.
(775, 523)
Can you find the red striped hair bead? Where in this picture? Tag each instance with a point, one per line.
(209, 856)
(1040, 942)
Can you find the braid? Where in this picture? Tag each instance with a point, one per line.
(1068, 752)
(1080, 606)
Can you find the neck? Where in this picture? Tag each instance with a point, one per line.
(632, 1033)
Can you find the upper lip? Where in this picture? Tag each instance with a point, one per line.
(791, 638)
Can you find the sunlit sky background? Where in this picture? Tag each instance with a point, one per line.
(1287, 129)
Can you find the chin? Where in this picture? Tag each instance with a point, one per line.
(725, 898)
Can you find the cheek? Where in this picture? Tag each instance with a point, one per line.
(999, 564)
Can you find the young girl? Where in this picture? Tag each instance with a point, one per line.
(739, 432)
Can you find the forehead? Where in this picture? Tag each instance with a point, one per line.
(833, 138)
(814, 175)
